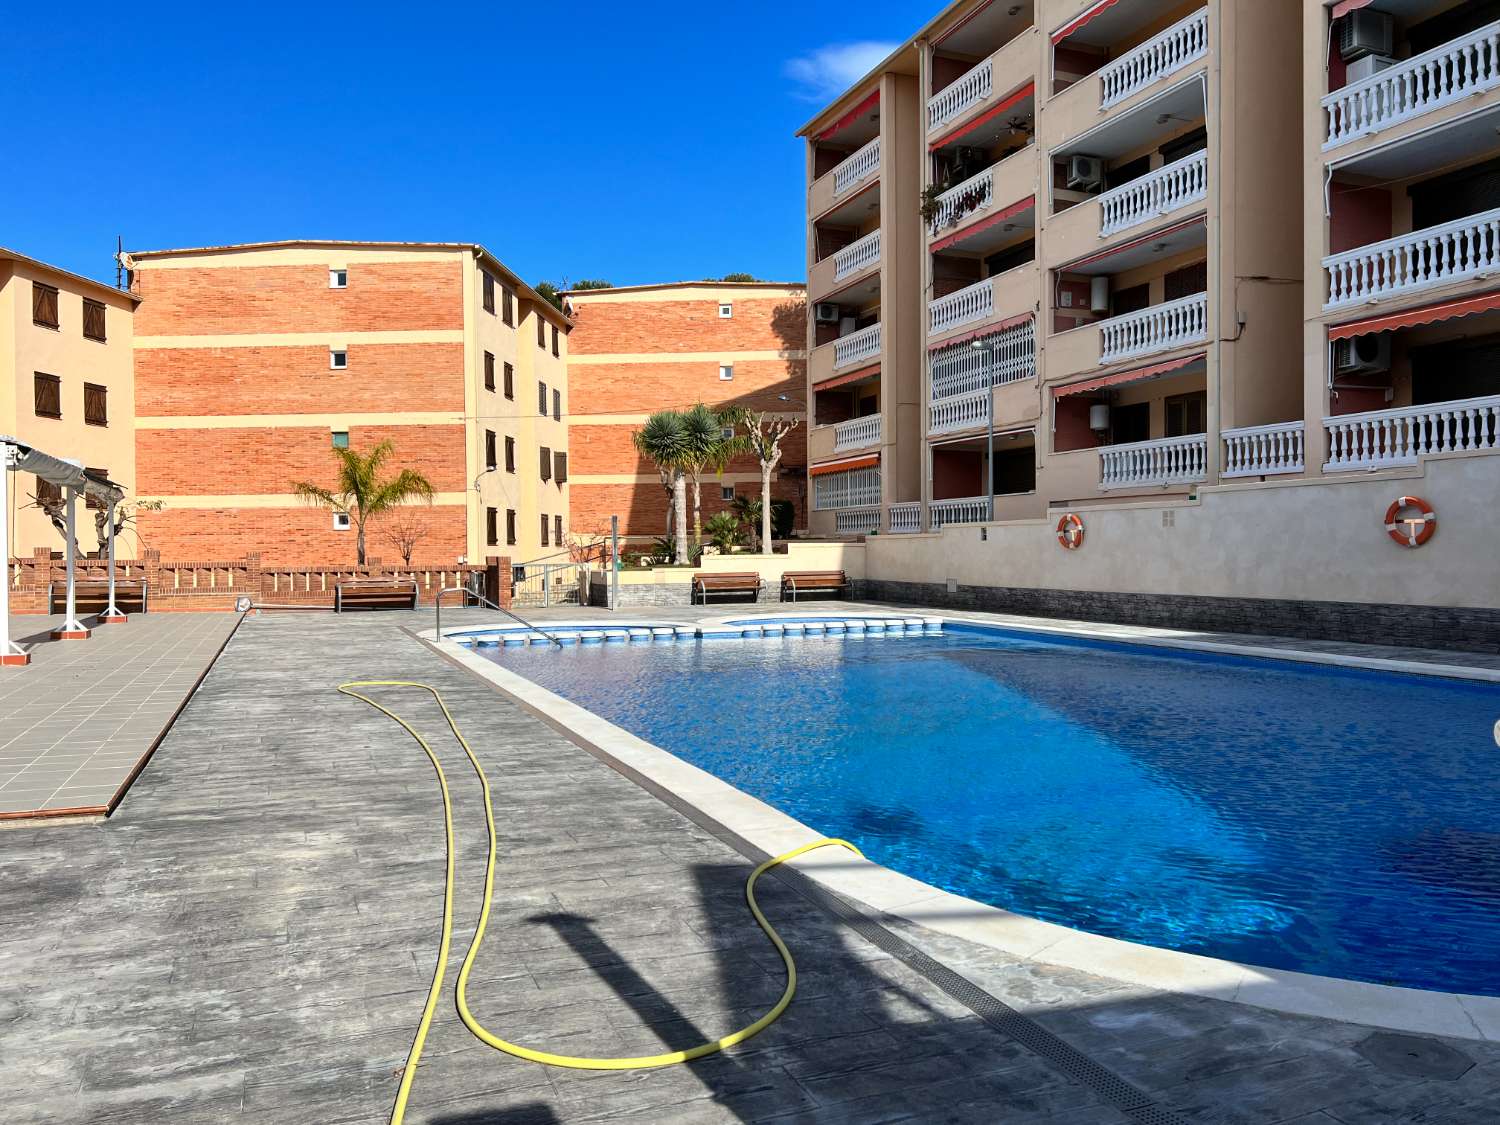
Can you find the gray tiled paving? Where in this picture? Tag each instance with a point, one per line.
(250, 938)
(77, 719)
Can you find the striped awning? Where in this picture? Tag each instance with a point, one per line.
(1197, 221)
(1086, 16)
(845, 380)
(852, 116)
(1009, 102)
(1427, 314)
(1344, 7)
(974, 228)
(986, 330)
(849, 464)
(1135, 375)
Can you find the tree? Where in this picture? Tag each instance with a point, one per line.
(552, 294)
(664, 440)
(362, 492)
(747, 508)
(709, 451)
(763, 436)
(739, 277)
(404, 530)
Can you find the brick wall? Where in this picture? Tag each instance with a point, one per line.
(758, 324)
(612, 388)
(642, 508)
(298, 536)
(611, 449)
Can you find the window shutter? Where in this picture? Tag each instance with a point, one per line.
(510, 382)
(43, 305)
(95, 404)
(560, 466)
(541, 331)
(557, 405)
(47, 391)
(489, 293)
(541, 399)
(510, 527)
(510, 454)
(557, 536)
(1186, 281)
(492, 527)
(554, 339)
(546, 463)
(489, 371)
(47, 492)
(489, 449)
(544, 530)
(89, 500)
(93, 319)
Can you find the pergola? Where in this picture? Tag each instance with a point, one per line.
(73, 479)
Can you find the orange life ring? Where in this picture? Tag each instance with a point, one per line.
(1412, 532)
(1070, 532)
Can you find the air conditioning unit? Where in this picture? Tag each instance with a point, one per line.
(1366, 32)
(1370, 65)
(1362, 355)
(825, 312)
(1085, 173)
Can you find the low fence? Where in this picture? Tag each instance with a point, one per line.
(201, 586)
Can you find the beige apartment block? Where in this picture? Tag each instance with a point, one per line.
(66, 384)
(1055, 259)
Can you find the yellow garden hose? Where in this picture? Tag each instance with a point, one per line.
(483, 1034)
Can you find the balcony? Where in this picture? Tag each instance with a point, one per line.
(1409, 263)
(856, 521)
(1157, 58)
(857, 257)
(857, 488)
(1381, 438)
(1160, 328)
(905, 518)
(1014, 65)
(1163, 461)
(860, 169)
(960, 412)
(1263, 451)
(857, 347)
(1456, 70)
(1008, 356)
(994, 298)
(954, 99)
(968, 509)
(856, 433)
(1156, 194)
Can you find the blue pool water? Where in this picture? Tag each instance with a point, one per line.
(1295, 816)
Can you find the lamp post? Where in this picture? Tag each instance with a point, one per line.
(988, 350)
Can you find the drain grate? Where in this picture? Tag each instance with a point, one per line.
(1414, 1056)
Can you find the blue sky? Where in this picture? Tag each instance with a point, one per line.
(634, 142)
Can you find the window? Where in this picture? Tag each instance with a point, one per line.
(510, 527)
(492, 526)
(541, 399)
(726, 492)
(338, 279)
(727, 433)
(557, 404)
(489, 371)
(726, 310)
(541, 331)
(490, 461)
(560, 467)
(546, 463)
(510, 382)
(48, 395)
(544, 530)
(341, 521)
(726, 372)
(554, 339)
(341, 439)
(1184, 283)
(489, 291)
(93, 319)
(508, 309)
(91, 501)
(1187, 414)
(510, 454)
(338, 359)
(557, 535)
(44, 304)
(47, 493)
(95, 405)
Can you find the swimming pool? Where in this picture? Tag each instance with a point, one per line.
(1326, 820)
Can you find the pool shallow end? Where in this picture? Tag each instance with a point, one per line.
(886, 891)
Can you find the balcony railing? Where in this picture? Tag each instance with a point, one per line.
(1154, 59)
(1466, 65)
(857, 256)
(1412, 262)
(906, 519)
(1166, 189)
(959, 412)
(973, 302)
(971, 195)
(971, 509)
(856, 488)
(860, 166)
(1007, 357)
(953, 99)
(1176, 460)
(1399, 436)
(857, 433)
(857, 346)
(1262, 451)
(857, 521)
(1171, 324)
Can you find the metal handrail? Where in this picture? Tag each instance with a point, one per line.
(437, 609)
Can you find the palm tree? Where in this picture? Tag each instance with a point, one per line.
(711, 452)
(665, 441)
(362, 493)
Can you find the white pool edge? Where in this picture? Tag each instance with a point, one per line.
(883, 890)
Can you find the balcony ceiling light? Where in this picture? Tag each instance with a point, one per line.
(1013, 10)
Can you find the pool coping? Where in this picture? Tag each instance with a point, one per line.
(1456, 1015)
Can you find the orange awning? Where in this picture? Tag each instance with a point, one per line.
(1134, 376)
(849, 118)
(868, 462)
(987, 330)
(1019, 96)
(844, 380)
(1344, 7)
(1133, 243)
(974, 228)
(1428, 314)
(962, 23)
(1082, 18)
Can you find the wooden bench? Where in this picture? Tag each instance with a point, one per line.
(91, 595)
(832, 582)
(705, 584)
(375, 593)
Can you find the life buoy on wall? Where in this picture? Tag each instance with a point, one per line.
(1412, 531)
(1070, 532)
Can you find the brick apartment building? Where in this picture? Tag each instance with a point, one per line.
(253, 361)
(638, 349)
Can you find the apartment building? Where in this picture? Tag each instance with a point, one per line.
(1054, 260)
(642, 348)
(66, 383)
(253, 361)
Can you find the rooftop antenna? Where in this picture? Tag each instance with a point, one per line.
(119, 254)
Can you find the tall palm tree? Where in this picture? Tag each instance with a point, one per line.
(665, 441)
(710, 451)
(362, 492)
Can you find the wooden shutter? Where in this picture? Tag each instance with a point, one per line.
(89, 500)
(554, 339)
(560, 466)
(489, 449)
(489, 371)
(47, 391)
(557, 536)
(557, 404)
(43, 305)
(93, 319)
(510, 527)
(95, 404)
(541, 331)
(510, 307)
(47, 492)
(489, 293)
(541, 399)
(546, 463)
(510, 382)
(1187, 281)
(544, 531)
(492, 527)
(510, 454)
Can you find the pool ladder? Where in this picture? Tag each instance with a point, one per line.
(437, 609)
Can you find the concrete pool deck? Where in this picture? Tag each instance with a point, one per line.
(251, 935)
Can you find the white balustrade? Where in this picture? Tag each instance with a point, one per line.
(856, 433)
(1154, 59)
(1177, 460)
(857, 346)
(906, 519)
(970, 509)
(856, 488)
(1412, 262)
(975, 193)
(971, 303)
(1263, 451)
(1006, 356)
(1166, 189)
(959, 412)
(958, 96)
(857, 521)
(1464, 66)
(1399, 436)
(1157, 328)
(856, 167)
(857, 256)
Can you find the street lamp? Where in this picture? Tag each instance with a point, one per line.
(989, 415)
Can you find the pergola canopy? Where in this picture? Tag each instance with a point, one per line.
(59, 471)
